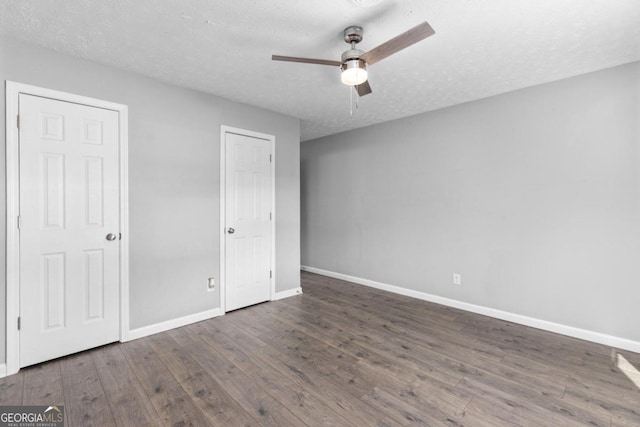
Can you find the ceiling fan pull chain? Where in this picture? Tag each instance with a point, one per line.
(350, 101)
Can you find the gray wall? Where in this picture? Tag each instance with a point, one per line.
(174, 182)
(533, 196)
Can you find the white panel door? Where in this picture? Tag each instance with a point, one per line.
(248, 225)
(69, 203)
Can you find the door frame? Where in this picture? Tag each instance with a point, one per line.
(223, 200)
(13, 91)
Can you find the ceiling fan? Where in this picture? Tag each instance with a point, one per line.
(354, 61)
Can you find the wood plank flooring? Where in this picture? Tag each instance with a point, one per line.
(339, 355)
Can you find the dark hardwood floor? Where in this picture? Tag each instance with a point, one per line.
(340, 355)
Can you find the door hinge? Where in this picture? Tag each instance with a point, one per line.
(270, 274)
(19, 222)
(18, 322)
(119, 236)
(18, 121)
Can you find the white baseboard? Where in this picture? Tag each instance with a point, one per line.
(287, 294)
(3, 370)
(597, 337)
(172, 324)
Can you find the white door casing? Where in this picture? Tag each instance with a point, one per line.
(65, 280)
(247, 218)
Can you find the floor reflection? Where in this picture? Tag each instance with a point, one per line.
(628, 369)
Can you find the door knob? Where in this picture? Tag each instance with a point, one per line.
(231, 230)
(111, 237)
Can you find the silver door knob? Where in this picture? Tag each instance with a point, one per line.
(231, 230)
(111, 237)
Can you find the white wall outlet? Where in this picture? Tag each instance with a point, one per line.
(211, 283)
(457, 279)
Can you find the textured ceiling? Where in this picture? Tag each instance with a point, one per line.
(481, 47)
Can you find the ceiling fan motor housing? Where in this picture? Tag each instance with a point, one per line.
(351, 54)
(354, 63)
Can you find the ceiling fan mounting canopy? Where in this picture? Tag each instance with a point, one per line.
(353, 34)
(354, 61)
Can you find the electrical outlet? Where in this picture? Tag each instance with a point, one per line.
(457, 279)
(211, 283)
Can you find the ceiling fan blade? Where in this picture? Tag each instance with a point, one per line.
(306, 60)
(396, 44)
(364, 88)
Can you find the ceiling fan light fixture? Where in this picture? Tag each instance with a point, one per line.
(354, 72)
